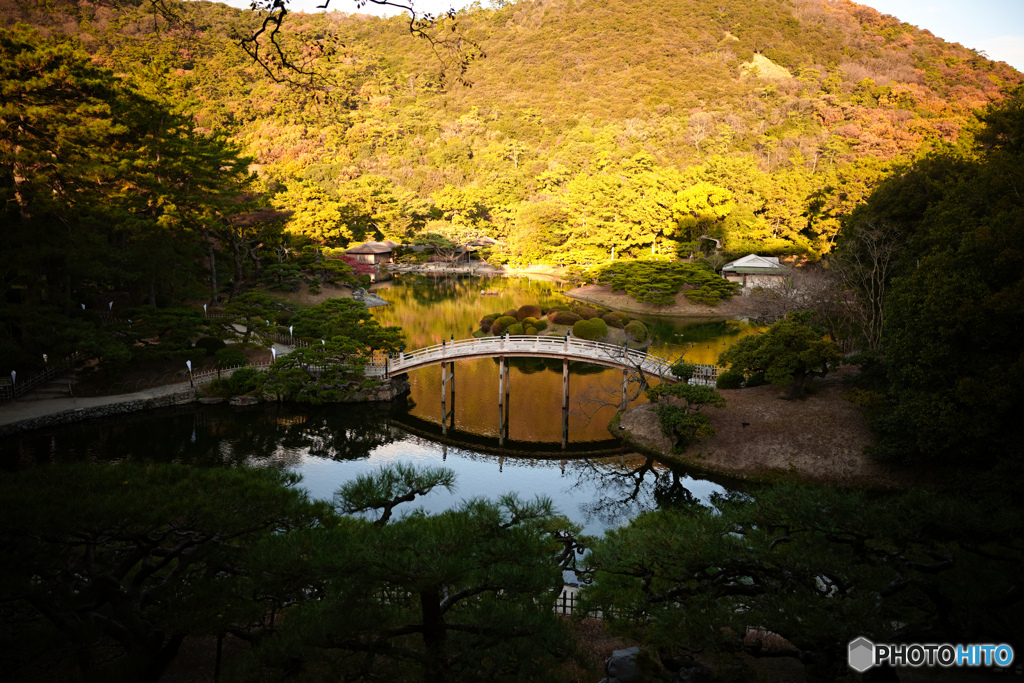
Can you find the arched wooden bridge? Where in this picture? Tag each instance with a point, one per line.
(530, 346)
(526, 346)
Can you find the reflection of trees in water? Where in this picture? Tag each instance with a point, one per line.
(273, 435)
(430, 309)
(330, 437)
(629, 485)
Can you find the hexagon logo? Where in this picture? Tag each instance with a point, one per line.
(861, 655)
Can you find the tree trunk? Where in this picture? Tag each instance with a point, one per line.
(213, 276)
(799, 381)
(239, 270)
(162, 659)
(434, 635)
(256, 262)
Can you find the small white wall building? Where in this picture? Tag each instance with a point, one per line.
(755, 271)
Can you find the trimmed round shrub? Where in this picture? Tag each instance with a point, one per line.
(512, 313)
(622, 316)
(529, 320)
(585, 312)
(493, 316)
(565, 318)
(218, 387)
(730, 379)
(637, 330)
(756, 380)
(592, 330)
(541, 325)
(612, 320)
(530, 329)
(489, 319)
(528, 311)
(556, 308)
(501, 324)
(244, 380)
(515, 328)
(479, 333)
(210, 344)
(485, 325)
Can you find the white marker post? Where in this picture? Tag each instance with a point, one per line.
(273, 354)
(188, 364)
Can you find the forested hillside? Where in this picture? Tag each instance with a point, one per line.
(586, 125)
(579, 131)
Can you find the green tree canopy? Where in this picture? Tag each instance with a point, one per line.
(122, 562)
(818, 566)
(790, 352)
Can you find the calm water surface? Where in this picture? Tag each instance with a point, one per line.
(595, 482)
(434, 309)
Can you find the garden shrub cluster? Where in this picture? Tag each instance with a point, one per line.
(501, 324)
(730, 379)
(637, 330)
(242, 381)
(565, 318)
(594, 329)
(210, 344)
(528, 311)
(658, 282)
(585, 312)
(528, 319)
(612, 320)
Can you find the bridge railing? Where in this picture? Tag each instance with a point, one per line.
(581, 349)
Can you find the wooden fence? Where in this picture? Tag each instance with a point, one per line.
(19, 387)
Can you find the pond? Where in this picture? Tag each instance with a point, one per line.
(594, 482)
(330, 445)
(434, 309)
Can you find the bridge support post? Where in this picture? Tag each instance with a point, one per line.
(503, 391)
(444, 398)
(451, 377)
(447, 376)
(625, 387)
(565, 403)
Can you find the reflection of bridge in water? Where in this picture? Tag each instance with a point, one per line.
(499, 448)
(531, 346)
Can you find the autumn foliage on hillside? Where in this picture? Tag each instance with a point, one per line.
(668, 127)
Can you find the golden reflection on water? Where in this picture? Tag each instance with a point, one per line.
(432, 310)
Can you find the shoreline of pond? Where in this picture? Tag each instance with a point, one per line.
(759, 436)
(33, 415)
(602, 295)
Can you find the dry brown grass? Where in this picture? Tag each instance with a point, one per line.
(819, 438)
